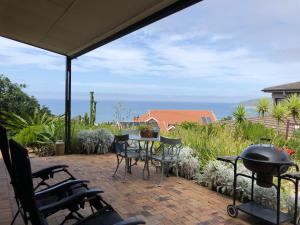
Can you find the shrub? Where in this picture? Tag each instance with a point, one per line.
(28, 136)
(188, 163)
(210, 141)
(95, 141)
(219, 177)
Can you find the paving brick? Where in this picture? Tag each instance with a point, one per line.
(178, 201)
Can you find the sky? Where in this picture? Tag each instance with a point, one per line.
(215, 51)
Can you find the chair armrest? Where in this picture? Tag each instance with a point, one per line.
(47, 172)
(70, 201)
(60, 187)
(131, 221)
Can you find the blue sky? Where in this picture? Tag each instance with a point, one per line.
(215, 51)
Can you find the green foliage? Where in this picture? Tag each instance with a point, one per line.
(93, 106)
(188, 125)
(279, 112)
(210, 141)
(226, 118)
(253, 132)
(294, 143)
(95, 141)
(293, 106)
(219, 176)
(240, 114)
(144, 127)
(262, 107)
(86, 119)
(14, 100)
(28, 135)
(77, 126)
(219, 139)
(14, 122)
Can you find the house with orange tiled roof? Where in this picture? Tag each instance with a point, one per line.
(167, 119)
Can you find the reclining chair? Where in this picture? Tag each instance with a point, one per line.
(44, 173)
(51, 194)
(36, 215)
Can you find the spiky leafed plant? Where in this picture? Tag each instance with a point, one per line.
(293, 106)
(15, 122)
(279, 112)
(240, 114)
(262, 107)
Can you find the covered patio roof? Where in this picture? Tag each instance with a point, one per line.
(74, 27)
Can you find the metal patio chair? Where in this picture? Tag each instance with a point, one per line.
(123, 152)
(43, 174)
(167, 155)
(32, 212)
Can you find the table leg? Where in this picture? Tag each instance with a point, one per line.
(146, 166)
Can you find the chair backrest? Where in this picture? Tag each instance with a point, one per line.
(130, 132)
(5, 150)
(23, 185)
(170, 146)
(121, 143)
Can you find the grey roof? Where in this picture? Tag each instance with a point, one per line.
(74, 27)
(295, 86)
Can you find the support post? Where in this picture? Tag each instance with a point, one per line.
(68, 106)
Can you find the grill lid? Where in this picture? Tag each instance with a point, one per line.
(266, 153)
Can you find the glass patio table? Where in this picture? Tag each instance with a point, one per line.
(149, 142)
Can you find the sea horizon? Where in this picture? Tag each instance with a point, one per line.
(106, 109)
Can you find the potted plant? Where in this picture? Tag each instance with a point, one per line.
(146, 131)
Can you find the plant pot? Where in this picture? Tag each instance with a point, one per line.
(155, 134)
(59, 148)
(146, 133)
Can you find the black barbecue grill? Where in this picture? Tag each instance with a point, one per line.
(265, 162)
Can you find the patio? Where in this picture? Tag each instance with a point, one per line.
(179, 201)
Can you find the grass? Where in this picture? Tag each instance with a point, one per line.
(222, 139)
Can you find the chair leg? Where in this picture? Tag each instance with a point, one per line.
(130, 165)
(168, 169)
(126, 168)
(162, 174)
(119, 162)
(15, 217)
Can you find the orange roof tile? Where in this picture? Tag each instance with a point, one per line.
(166, 118)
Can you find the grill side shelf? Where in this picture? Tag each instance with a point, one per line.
(267, 214)
(229, 159)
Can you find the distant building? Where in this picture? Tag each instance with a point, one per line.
(282, 92)
(167, 119)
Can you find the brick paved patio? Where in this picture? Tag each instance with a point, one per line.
(178, 202)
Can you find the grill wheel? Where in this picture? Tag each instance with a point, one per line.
(232, 211)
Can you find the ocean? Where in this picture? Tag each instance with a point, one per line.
(106, 110)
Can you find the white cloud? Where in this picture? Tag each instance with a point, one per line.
(237, 43)
(13, 53)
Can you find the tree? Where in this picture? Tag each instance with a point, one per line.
(279, 112)
(240, 114)
(262, 107)
(14, 100)
(293, 106)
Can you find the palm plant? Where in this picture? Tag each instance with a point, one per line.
(14, 122)
(262, 107)
(293, 106)
(240, 114)
(279, 112)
